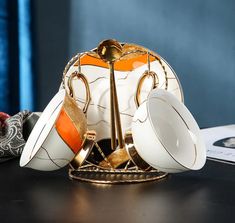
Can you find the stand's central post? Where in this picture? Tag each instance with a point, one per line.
(110, 51)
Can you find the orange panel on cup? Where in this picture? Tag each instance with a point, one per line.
(68, 132)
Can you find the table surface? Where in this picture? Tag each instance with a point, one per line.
(201, 196)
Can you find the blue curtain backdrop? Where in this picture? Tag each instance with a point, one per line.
(16, 76)
(197, 38)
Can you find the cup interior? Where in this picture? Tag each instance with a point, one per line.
(176, 129)
(42, 128)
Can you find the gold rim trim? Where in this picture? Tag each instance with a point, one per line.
(87, 147)
(133, 154)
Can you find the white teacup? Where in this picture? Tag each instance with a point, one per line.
(60, 134)
(57, 136)
(166, 135)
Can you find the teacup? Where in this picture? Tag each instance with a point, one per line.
(58, 136)
(166, 135)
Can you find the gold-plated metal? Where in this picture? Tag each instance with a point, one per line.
(93, 175)
(110, 51)
(68, 65)
(88, 145)
(133, 154)
(116, 110)
(130, 51)
(116, 159)
(112, 109)
(79, 63)
(123, 165)
(108, 164)
(148, 73)
(145, 75)
(84, 80)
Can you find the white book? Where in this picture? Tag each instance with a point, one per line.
(220, 143)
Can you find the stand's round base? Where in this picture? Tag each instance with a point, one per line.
(117, 176)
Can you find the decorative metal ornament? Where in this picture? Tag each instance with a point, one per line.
(120, 77)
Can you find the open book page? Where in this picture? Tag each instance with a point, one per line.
(220, 142)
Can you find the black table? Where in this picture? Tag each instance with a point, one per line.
(199, 196)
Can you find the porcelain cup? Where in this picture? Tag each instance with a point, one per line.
(57, 136)
(166, 135)
(60, 135)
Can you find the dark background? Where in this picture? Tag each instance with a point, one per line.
(197, 38)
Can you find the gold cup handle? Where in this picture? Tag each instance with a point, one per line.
(82, 77)
(145, 75)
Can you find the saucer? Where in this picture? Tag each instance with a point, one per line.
(128, 71)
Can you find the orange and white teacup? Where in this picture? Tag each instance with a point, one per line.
(59, 134)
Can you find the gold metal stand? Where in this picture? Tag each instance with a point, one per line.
(110, 51)
(117, 164)
(89, 173)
